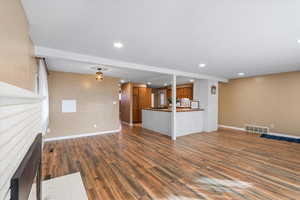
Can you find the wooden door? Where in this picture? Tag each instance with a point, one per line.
(169, 93)
(144, 100)
(141, 100)
(135, 106)
(147, 103)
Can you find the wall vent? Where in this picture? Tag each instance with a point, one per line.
(256, 129)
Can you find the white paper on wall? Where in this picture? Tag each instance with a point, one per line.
(68, 106)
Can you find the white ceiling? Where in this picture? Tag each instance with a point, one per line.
(230, 36)
(136, 76)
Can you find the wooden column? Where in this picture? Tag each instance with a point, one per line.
(173, 135)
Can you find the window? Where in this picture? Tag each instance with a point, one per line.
(162, 98)
(152, 100)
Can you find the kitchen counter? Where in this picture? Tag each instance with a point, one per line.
(177, 109)
(160, 120)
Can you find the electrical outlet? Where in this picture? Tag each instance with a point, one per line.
(48, 130)
(95, 125)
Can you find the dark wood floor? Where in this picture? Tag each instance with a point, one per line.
(139, 164)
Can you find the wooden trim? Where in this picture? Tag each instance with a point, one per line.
(139, 85)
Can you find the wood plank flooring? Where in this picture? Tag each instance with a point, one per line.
(140, 164)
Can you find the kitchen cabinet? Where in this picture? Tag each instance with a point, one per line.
(141, 100)
(182, 91)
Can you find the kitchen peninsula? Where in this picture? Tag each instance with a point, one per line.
(188, 120)
(152, 105)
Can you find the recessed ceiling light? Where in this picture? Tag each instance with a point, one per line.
(298, 41)
(241, 74)
(148, 83)
(192, 80)
(118, 45)
(202, 65)
(122, 81)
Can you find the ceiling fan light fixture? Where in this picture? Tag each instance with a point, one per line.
(99, 75)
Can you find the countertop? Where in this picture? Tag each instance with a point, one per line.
(177, 109)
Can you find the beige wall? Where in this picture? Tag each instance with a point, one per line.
(17, 65)
(94, 104)
(263, 100)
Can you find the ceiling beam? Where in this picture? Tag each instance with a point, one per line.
(67, 55)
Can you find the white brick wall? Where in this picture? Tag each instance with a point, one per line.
(20, 118)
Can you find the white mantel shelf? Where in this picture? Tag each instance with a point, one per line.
(11, 95)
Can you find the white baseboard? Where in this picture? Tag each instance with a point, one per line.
(126, 123)
(271, 133)
(231, 127)
(81, 135)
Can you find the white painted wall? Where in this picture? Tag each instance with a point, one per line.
(189, 122)
(213, 107)
(208, 102)
(196, 90)
(161, 122)
(157, 121)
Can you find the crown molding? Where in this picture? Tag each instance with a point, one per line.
(56, 53)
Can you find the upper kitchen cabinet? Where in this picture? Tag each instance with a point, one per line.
(182, 91)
